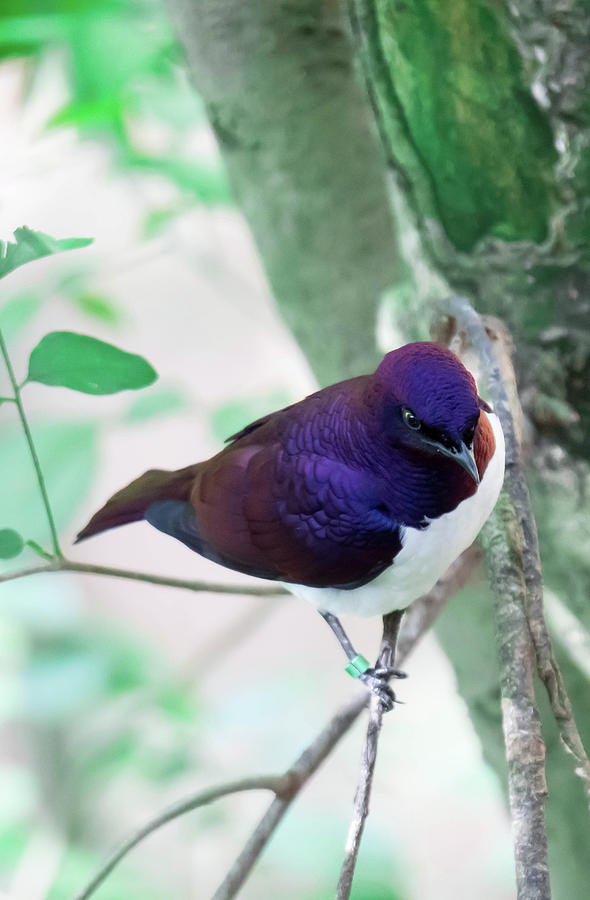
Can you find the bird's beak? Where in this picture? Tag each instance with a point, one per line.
(464, 457)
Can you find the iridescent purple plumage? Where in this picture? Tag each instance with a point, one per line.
(318, 493)
(376, 483)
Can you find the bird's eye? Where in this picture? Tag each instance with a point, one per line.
(469, 435)
(411, 420)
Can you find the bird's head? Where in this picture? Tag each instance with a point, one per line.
(429, 404)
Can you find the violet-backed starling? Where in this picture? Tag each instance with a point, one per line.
(357, 498)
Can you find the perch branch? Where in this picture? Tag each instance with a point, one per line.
(299, 774)
(504, 541)
(61, 564)
(491, 343)
(391, 624)
(515, 571)
(286, 787)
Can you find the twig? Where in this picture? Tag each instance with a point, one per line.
(417, 621)
(485, 339)
(391, 624)
(504, 542)
(547, 666)
(299, 774)
(276, 783)
(32, 448)
(525, 749)
(65, 565)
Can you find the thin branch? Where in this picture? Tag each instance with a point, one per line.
(504, 543)
(32, 448)
(361, 799)
(65, 565)
(276, 783)
(417, 621)
(525, 749)
(299, 774)
(32, 570)
(486, 339)
(510, 539)
(391, 624)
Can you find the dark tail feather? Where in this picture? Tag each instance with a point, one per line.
(130, 503)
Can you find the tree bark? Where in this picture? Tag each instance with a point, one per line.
(483, 111)
(295, 131)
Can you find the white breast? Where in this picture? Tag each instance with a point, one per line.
(426, 553)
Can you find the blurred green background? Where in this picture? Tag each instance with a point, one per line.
(117, 698)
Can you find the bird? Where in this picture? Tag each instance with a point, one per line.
(357, 498)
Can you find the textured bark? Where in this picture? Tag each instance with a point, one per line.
(484, 113)
(466, 632)
(505, 87)
(295, 132)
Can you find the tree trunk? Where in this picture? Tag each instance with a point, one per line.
(484, 114)
(484, 117)
(306, 167)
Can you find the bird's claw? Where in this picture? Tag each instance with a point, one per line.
(387, 672)
(379, 686)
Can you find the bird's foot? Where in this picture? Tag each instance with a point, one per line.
(380, 687)
(387, 672)
(375, 679)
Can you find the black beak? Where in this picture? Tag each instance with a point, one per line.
(462, 455)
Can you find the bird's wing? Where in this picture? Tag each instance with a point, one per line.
(290, 517)
(280, 502)
(310, 406)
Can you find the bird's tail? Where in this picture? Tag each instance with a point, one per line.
(130, 503)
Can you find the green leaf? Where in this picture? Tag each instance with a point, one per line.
(11, 543)
(30, 245)
(14, 838)
(83, 363)
(110, 758)
(158, 219)
(155, 403)
(98, 307)
(38, 549)
(177, 703)
(207, 182)
(16, 313)
(24, 30)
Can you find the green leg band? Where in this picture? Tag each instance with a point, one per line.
(357, 666)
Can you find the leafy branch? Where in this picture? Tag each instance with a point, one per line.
(31, 445)
(65, 359)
